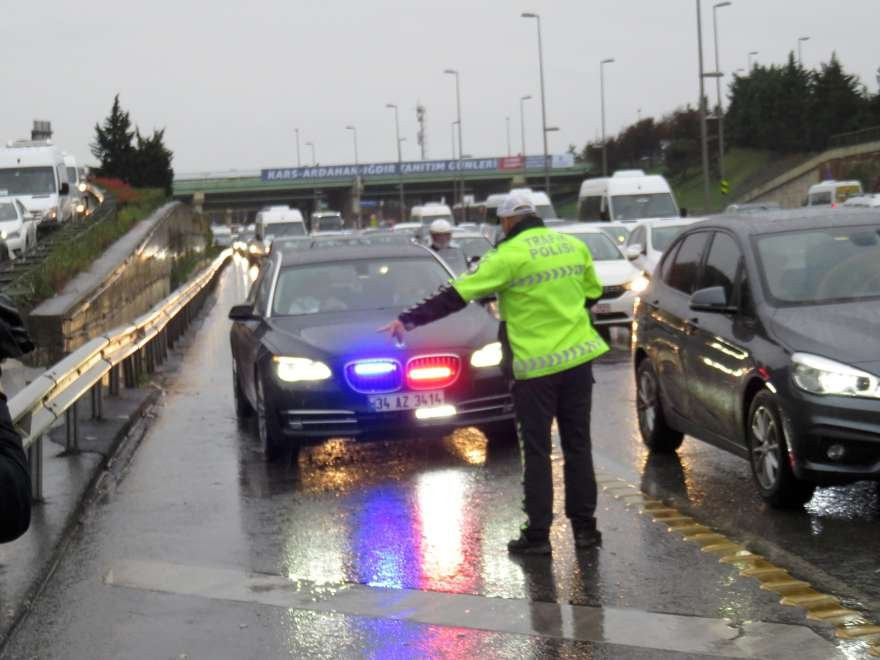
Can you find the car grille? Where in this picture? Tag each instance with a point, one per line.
(430, 372)
(610, 292)
(374, 376)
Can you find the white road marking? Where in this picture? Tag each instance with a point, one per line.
(608, 625)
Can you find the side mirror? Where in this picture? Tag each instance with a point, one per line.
(684, 212)
(242, 313)
(65, 189)
(711, 299)
(633, 251)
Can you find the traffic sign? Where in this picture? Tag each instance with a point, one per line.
(725, 186)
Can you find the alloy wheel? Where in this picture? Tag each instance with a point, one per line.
(765, 447)
(646, 403)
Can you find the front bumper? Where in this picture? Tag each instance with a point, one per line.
(614, 311)
(333, 410)
(818, 423)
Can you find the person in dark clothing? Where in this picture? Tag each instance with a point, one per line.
(544, 281)
(15, 480)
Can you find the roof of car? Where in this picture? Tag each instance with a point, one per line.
(577, 228)
(351, 253)
(773, 222)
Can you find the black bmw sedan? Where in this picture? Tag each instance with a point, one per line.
(761, 335)
(308, 361)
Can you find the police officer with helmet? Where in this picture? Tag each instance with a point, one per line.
(441, 235)
(543, 280)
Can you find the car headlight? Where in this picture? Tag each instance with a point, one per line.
(82, 187)
(3, 235)
(52, 213)
(488, 356)
(296, 369)
(818, 375)
(639, 284)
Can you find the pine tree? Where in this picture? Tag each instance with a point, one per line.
(113, 143)
(152, 162)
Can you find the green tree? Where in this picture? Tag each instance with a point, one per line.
(113, 143)
(840, 103)
(151, 165)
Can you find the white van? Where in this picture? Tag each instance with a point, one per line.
(833, 193)
(324, 221)
(34, 173)
(427, 213)
(77, 184)
(541, 200)
(627, 196)
(279, 221)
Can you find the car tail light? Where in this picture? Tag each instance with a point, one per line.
(431, 372)
(374, 376)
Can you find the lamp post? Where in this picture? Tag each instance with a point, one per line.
(453, 145)
(522, 126)
(528, 14)
(507, 122)
(454, 72)
(715, 8)
(704, 138)
(298, 163)
(801, 40)
(602, 96)
(357, 176)
(751, 54)
(399, 156)
(314, 158)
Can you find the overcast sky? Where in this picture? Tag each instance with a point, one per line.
(231, 80)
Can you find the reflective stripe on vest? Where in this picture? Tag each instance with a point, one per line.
(586, 350)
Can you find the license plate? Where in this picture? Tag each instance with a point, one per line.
(405, 401)
(602, 308)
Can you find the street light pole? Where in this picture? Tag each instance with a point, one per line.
(751, 54)
(357, 177)
(801, 40)
(399, 157)
(704, 138)
(314, 158)
(454, 72)
(298, 163)
(543, 100)
(715, 9)
(522, 126)
(507, 121)
(602, 96)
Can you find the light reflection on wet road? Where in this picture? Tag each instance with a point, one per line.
(431, 515)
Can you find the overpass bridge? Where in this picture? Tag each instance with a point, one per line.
(374, 187)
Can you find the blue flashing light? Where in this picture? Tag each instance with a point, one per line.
(374, 368)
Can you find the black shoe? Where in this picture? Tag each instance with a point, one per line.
(526, 546)
(587, 538)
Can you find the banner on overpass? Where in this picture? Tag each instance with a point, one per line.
(414, 168)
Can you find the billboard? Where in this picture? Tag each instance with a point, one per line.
(414, 168)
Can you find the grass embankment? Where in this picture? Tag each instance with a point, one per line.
(741, 167)
(70, 257)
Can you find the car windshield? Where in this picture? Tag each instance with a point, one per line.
(473, 247)
(386, 238)
(601, 247)
(329, 223)
(351, 286)
(618, 234)
(840, 264)
(27, 181)
(428, 219)
(661, 237)
(285, 229)
(637, 207)
(455, 259)
(71, 174)
(7, 212)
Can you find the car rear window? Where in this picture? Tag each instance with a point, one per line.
(836, 264)
(359, 285)
(601, 247)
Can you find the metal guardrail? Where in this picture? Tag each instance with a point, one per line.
(855, 137)
(122, 355)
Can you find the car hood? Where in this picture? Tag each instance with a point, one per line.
(846, 333)
(615, 273)
(10, 226)
(342, 336)
(39, 202)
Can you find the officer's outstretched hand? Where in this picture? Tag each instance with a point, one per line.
(395, 329)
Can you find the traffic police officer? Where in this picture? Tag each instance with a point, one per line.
(543, 280)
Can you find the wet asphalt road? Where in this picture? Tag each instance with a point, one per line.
(201, 550)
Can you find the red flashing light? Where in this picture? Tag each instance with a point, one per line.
(432, 371)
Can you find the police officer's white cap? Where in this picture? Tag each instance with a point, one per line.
(516, 204)
(440, 227)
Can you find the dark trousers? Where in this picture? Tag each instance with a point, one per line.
(567, 397)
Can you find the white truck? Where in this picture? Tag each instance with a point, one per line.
(833, 193)
(34, 172)
(627, 196)
(277, 222)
